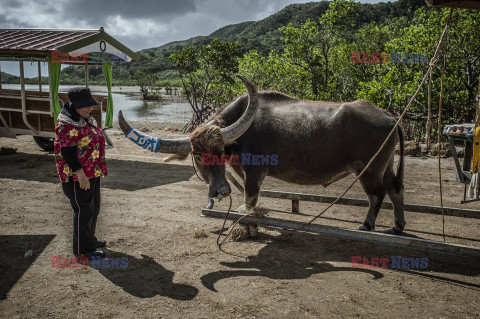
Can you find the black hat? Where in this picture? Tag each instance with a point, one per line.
(81, 97)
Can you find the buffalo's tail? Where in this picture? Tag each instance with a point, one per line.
(400, 168)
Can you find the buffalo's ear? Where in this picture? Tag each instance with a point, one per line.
(230, 143)
(176, 157)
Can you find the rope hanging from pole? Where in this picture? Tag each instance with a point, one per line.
(439, 132)
(439, 149)
(428, 140)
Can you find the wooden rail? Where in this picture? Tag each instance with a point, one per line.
(399, 241)
(296, 197)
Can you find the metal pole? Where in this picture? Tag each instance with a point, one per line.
(50, 89)
(2, 118)
(86, 75)
(39, 77)
(24, 101)
(477, 123)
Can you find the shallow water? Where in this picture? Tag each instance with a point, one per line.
(133, 109)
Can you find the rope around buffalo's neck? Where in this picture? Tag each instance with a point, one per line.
(195, 168)
(220, 243)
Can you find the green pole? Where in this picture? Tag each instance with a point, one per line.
(107, 69)
(54, 69)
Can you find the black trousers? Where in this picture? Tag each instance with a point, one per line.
(86, 206)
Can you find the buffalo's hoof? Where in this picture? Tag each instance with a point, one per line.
(395, 230)
(210, 204)
(242, 209)
(366, 227)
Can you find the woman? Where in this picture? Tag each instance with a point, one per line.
(80, 158)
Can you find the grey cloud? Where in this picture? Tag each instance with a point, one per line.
(94, 11)
(209, 16)
(12, 4)
(139, 24)
(137, 43)
(242, 10)
(11, 23)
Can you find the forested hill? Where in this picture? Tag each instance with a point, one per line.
(6, 78)
(262, 36)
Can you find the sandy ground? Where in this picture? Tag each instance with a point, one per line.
(151, 215)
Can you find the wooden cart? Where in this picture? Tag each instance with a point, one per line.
(35, 112)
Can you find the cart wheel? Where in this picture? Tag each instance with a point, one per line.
(45, 143)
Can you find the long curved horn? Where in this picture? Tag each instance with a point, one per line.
(154, 144)
(234, 131)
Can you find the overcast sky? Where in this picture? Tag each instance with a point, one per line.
(138, 24)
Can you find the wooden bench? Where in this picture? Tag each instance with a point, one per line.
(39, 114)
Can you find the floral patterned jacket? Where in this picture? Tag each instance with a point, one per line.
(90, 141)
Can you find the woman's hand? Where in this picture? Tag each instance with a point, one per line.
(83, 179)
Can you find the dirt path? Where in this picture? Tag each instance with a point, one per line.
(151, 215)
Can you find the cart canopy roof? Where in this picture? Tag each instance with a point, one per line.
(38, 44)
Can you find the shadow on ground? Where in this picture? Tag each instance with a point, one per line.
(17, 254)
(142, 175)
(145, 278)
(300, 255)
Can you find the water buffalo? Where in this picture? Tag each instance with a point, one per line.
(302, 142)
